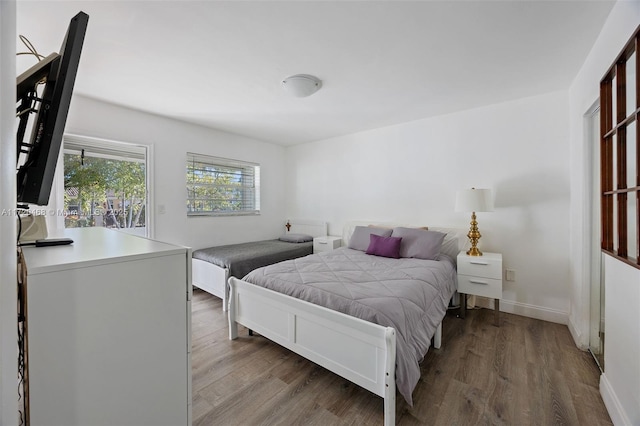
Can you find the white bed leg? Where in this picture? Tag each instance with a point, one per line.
(437, 338)
(233, 325)
(225, 297)
(390, 379)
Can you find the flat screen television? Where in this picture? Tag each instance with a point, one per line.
(45, 90)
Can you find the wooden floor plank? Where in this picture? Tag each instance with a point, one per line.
(525, 372)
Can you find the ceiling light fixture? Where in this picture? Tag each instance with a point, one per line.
(302, 85)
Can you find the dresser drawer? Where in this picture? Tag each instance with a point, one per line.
(480, 286)
(481, 266)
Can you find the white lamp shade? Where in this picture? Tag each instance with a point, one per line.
(301, 85)
(474, 200)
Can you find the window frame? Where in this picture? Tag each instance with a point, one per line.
(249, 175)
(616, 185)
(107, 148)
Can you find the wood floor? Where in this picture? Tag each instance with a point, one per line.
(525, 372)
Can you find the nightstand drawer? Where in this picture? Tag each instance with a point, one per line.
(481, 266)
(480, 286)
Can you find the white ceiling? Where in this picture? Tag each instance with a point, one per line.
(220, 64)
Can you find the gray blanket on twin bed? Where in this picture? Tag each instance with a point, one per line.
(243, 258)
(410, 295)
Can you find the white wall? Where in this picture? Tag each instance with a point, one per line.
(409, 173)
(8, 299)
(171, 140)
(620, 383)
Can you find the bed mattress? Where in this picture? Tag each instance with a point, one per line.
(410, 295)
(240, 259)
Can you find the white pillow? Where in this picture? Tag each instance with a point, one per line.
(454, 242)
(361, 237)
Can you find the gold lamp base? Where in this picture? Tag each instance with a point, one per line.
(474, 237)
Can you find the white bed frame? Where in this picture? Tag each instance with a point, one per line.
(215, 279)
(360, 351)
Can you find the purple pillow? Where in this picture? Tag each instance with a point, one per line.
(384, 246)
(419, 243)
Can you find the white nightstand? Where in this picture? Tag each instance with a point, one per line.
(481, 276)
(329, 243)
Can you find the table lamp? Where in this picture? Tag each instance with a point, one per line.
(474, 200)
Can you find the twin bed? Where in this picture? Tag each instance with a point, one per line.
(212, 267)
(358, 311)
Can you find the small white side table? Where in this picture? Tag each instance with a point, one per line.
(328, 243)
(480, 276)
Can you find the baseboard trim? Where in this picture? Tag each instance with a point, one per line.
(577, 336)
(611, 402)
(526, 310)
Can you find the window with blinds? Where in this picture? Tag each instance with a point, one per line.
(220, 186)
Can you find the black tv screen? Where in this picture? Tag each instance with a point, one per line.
(45, 90)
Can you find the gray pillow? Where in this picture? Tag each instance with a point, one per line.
(360, 239)
(419, 243)
(296, 238)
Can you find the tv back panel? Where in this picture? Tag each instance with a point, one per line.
(35, 175)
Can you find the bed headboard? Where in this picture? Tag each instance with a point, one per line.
(314, 228)
(455, 241)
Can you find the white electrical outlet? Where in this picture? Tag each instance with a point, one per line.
(509, 275)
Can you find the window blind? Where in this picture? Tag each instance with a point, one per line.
(220, 186)
(110, 150)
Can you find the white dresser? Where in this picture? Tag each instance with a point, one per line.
(481, 276)
(108, 331)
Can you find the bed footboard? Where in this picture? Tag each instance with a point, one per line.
(360, 351)
(212, 279)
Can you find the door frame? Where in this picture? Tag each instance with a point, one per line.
(592, 268)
